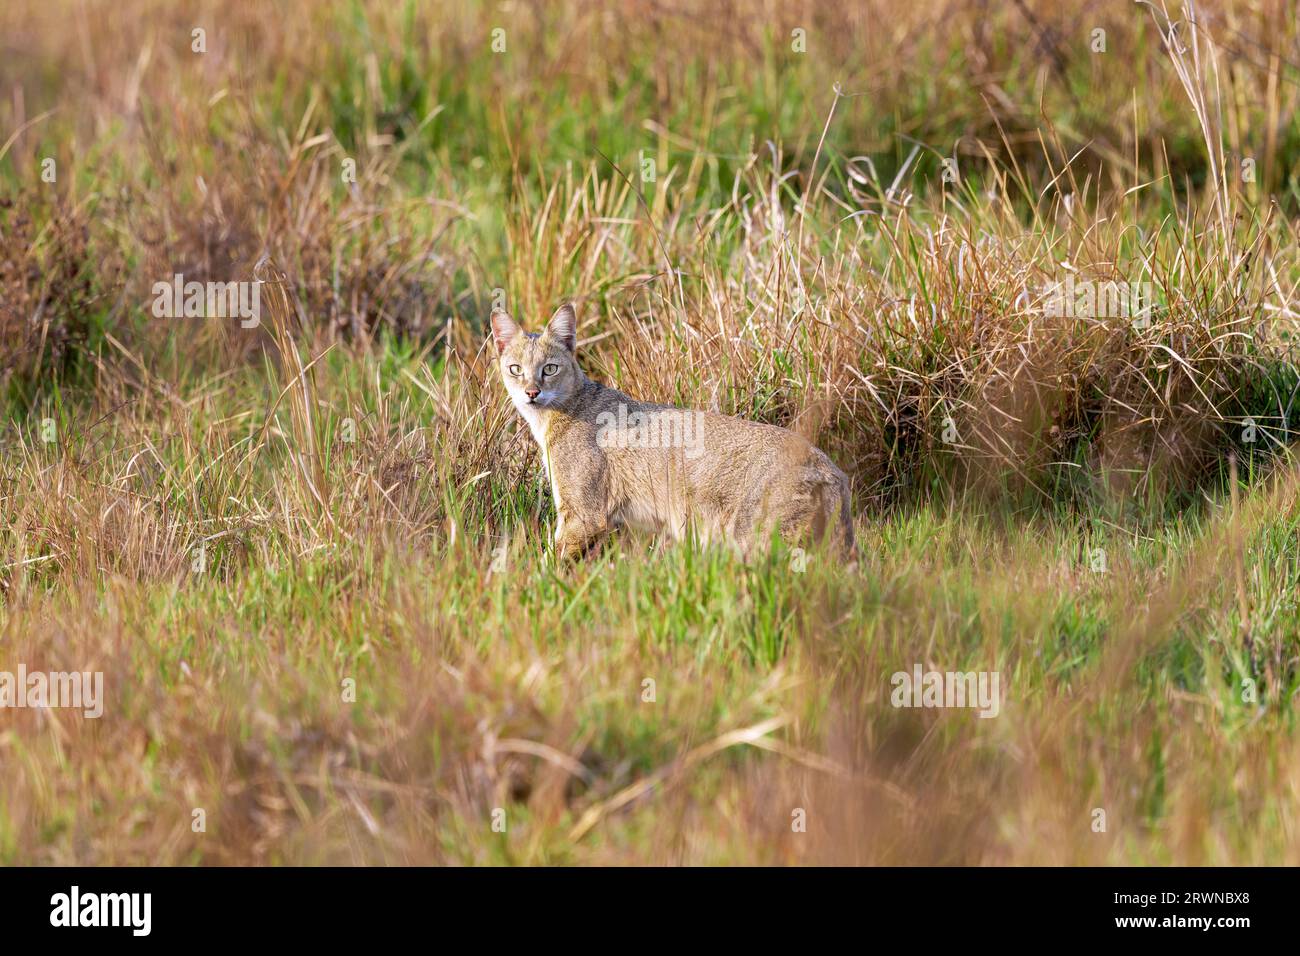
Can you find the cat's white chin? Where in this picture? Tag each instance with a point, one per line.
(530, 412)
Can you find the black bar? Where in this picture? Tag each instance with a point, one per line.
(552, 906)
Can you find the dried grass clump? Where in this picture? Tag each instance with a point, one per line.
(55, 287)
(364, 262)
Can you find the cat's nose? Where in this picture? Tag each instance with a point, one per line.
(532, 393)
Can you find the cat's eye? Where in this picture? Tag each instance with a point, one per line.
(516, 371)
(550, 369)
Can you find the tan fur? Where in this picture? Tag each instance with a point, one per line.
(676, 471)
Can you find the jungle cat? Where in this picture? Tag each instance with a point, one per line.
(614, 461)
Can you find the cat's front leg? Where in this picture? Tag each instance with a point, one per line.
(576, 534)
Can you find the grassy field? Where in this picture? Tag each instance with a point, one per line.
(311, 556)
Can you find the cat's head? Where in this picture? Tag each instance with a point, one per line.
(539, 368)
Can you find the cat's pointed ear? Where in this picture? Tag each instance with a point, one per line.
(504, 330)
(563, 327)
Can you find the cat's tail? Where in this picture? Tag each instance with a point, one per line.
(834, 520)
(844, 537)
